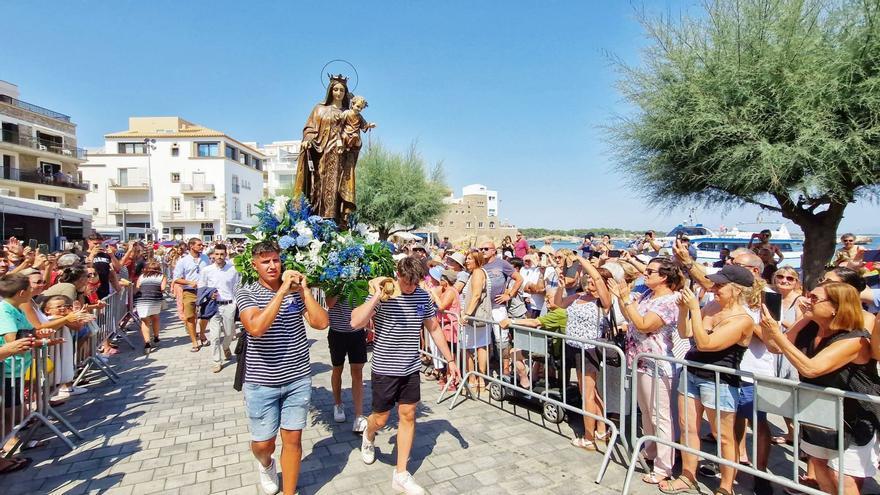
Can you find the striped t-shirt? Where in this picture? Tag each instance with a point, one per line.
(398, 323)
(281, 355)
(340, 316)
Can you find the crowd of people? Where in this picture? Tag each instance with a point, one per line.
(450, 299)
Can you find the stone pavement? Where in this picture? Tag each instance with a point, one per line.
(171, 426)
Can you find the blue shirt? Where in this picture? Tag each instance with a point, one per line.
(12, 320)
(189, 268)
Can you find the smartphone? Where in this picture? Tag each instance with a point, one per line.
(33, 243)
(614, 253)
(773, 301)
(44, 248)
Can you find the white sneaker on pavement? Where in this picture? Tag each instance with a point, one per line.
(404, 483)
(338, 413)
(359, 425)
(368, 451)
(268, 478)
(75, 390)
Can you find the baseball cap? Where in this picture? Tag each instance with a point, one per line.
(68, 260)
(458, 258)
(733, 274)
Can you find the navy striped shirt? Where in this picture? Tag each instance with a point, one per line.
(340, 316)
(281, 355)
(398, 323)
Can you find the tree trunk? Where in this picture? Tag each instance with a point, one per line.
(820, 240)
(383, 233)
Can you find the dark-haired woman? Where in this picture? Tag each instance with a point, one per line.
(653, 318)
(831, 348)
(148, 301)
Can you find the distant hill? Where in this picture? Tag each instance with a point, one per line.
(535, 232)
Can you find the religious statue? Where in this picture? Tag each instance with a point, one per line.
(329, 152)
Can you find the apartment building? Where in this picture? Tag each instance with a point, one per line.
(167, 178)
(279, 172)
(40, 157)
(472, 217)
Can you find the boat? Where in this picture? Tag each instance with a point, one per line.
(863, 240)
(708, 243)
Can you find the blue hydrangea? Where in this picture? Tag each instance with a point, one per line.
(286, 242)
(302, 241)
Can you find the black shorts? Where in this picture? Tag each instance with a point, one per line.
(390, 390)
(353, 344)
(11, 396)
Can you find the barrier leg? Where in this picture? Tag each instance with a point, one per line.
(36, 418)
(50, 411)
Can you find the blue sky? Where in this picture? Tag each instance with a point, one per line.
(509, 94)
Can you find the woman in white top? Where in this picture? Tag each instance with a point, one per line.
(787, 283)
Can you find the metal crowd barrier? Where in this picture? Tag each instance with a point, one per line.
(538, 342)
(803, 403)
(104, 326)
(429, 350)
(130, 316)
(27, 386)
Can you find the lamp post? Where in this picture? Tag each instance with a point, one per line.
(149, 146)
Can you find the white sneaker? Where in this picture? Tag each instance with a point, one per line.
(359, 425)
(268, 478)
(338, 413)
(75, 390)
(404, 482)
(368, 451)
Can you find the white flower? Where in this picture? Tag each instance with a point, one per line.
(362, 229)
(305, 232)
(279, 207)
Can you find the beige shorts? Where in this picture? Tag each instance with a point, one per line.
(188, 299)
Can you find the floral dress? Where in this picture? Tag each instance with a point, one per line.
(660, 342)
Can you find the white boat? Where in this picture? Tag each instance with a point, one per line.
(708, 243)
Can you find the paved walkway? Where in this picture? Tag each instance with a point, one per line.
(171, 426)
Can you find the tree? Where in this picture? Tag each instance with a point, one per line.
(395, 191)
(774, 103)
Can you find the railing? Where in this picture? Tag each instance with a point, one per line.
(43, 144)
(133, 207)
(136, 180)
(35, 177)
(197, 187)
(191, 214)
(30, 107)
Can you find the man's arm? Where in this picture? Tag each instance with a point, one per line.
(360, 316)
(316, 315)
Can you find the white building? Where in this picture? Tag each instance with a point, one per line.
(279, 171)
(471, 218)
(480, 190)
(172, 179)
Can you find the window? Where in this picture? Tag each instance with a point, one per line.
(208, 149)
(175, 204)
(94, 187)
(175, 177)
(236, 209)
(175, 151)
(258, 164)
(231, 152)
(451, 223)
(491, 225)
(249, 210)
(132, 149)
(53, 199)
(467, 225)
(94, 211)
(235, 187)
(480, 225)
(245, 159)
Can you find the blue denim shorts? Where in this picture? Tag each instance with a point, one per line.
(704, 389)
(270, 408)
(745, 406)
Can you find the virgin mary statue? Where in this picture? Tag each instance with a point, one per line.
(324, 174)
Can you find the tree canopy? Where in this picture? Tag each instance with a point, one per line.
(768, 102)
(396, 191)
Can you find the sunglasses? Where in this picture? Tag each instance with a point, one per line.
(814, 299)
(849, 240)
(788, 278)
(486, 249)
(651, 271)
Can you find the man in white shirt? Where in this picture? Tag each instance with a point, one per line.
(533, 284)
(223, 277)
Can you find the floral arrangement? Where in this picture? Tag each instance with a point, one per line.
(339, 262)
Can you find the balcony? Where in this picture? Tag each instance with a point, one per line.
(197, 188)
(131, 181)
(190, 215)
(30, 107)
(48, 146)
(132, 208)
(58, 179)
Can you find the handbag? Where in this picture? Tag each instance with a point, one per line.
(483, 311)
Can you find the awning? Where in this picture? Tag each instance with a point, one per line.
(41, 209)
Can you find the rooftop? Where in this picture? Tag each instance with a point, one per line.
(165, 127)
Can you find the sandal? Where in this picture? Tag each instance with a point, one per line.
(14, 464)
(689, 486)
(653, 479)
(722, 491)
(195, 349)
(583, 443)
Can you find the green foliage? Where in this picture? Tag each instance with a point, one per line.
(769, 102)
(533, 232)
(396, 192)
